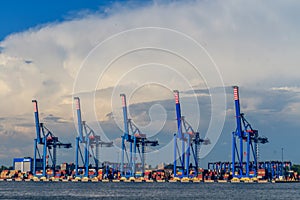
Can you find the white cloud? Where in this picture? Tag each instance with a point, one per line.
(4, 88)
(286, 89)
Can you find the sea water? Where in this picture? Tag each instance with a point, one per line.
(90, 190)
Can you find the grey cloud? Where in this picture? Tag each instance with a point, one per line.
(28, 61)
(54, 119)
(197, 91)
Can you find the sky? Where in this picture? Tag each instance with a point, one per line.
(53, 51)
(17, 15)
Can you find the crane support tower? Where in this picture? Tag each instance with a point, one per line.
(88, 139)
(244, 136)
(137, 142)
(49, 143)
(190, 142)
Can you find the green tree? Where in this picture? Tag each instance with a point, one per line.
(3, 168)
(296, 168)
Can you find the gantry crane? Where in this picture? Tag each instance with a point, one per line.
(188, 138)
(49, 142)
(89, 139)
(245, 134)
(137, 141)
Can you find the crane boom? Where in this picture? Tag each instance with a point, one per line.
(126, 136)
(79, 120)
(37, 122)
(178, 113)
(125, 116)
(237, 110)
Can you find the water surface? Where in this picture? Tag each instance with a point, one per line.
(78, 190)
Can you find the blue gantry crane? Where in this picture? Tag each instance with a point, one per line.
(90, 141)
(137, 142)
(46, 139)
(248, 137)
(190, 142)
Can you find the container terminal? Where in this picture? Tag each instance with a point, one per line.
(245, 165)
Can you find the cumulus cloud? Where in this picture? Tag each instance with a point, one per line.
(254, 44)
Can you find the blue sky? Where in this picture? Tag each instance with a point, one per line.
(18, 15)
(97, 49)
